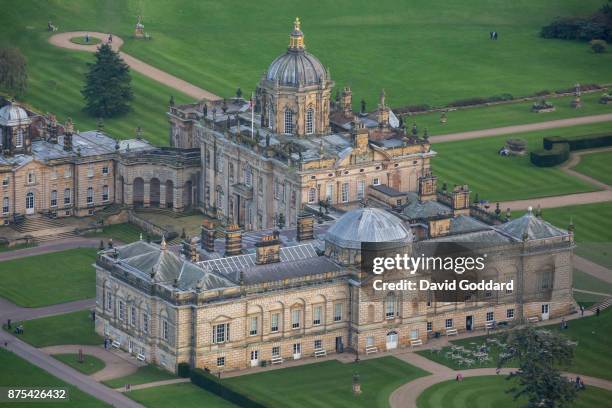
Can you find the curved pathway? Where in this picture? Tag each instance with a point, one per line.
(574, 160)
(406, 395)
(63, 40)
(116, 365)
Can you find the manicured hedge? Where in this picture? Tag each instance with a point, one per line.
(548, 158)
(580, 142)
(212, 384)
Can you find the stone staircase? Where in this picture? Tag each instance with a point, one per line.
(55, 237)
(164, 211)
(603, 305)
(29, 225)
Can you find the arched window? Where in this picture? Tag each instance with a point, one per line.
(30, 200)
(288, 122)
(19, 138)
(312, 195)
(310, 121)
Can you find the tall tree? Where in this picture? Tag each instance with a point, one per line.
(107, 89)
(13, 71)
(538, 353)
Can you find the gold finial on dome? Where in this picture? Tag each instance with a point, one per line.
(296, 39)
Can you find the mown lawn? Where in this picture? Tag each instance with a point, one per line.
(183, 395)
(19, 373)
(505, 115)
(89, 365)
(420, 51)
(146, 374)
(592, 355)
(69, 328)
(495, 178)
(49, 279)
(596, 165)
(490, 391)
(328, 383)
(120, 232)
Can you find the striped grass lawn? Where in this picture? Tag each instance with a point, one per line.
(49, 279)
(420, 51)
(597, 165)
(183, 395)
(496, 178)
(506, 115)
(328, 384)
(125, 233)
(490, 391)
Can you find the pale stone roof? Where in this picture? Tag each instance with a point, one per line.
(531, 227)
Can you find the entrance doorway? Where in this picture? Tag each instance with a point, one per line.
(30, 203)
(392, 340)
(545, 311)
(297, 351)
(254, 358)
(339, 345)
(469, 322)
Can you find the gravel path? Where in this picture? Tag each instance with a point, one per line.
(51, 246)
(63, 40)
(551, 124)
(117, 363)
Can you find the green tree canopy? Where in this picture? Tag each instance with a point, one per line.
(107, 89)
(538, 353)
(13, 71)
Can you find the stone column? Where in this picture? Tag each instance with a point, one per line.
(128, 194)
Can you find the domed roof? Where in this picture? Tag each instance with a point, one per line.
(296, 67)
(367, 225)
(13, 114)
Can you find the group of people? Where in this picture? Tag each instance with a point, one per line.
(578, 382)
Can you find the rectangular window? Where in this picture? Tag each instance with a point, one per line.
(295, 318)
(297, 348)
(490, 316)
(317, 312)
(220, 333)
(105, 171)
(53, 175)
(90, 171)
(274, 322)
(253, 326)
(5, 181)
(510, 314)
(376, 181)
(121, 310)
(345, 192)
(329, 192)
(165, 330)
(390, 309)
(68, 172)
(90, 195)
(337, 312)
(104, 194)
(145, 322)
(369, 341)
(248, 177)
(5, 205)
(318, 344)
(276, 351)
(429, 326)
(448, 323)
(67, 197)
(133, 315)
(360, 190)
(31, 178)
(220, 361)
(54, 198)
(109, 301)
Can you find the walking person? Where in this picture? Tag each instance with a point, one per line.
(581, 311)
(597, 311)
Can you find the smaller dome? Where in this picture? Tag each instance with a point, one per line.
(367, 225)
(13, 114)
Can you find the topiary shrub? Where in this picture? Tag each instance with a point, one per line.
(558, 154)
(598, 46)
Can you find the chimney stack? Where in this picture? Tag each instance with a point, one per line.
(305, 227)
(233, 240)
(461, 200)
(427, 187)
(268, 249)
(68, 131)
(207, 236)
(347, 102)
